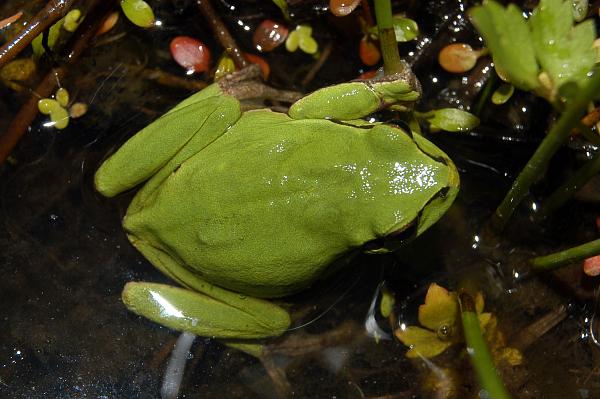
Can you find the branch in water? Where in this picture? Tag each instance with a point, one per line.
(78, 43)
(222, 33)
(53, 11)
(254, 89)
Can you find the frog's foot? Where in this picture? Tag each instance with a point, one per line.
(358, 99)
(158, 149)
(246, 318)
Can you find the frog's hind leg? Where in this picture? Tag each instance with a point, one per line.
(208, 310)
(162, 146)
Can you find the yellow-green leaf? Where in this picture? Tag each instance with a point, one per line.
(60, 117)
(48, 105)
(62, 96)
(386, 306)
(308, 45)
(484, 319)
(224, 67)
(421, 342)
(138, 12)
(512, 356)
(503, 93)
(440, 308)
(53, 33)
(72, 20)
(17, 71)
(479, 302)
(291, 44)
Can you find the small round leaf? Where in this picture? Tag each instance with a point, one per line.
(405, 29)
(138, 12)
(503, 93)
(452, 120)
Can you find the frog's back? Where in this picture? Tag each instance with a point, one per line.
(268, 206)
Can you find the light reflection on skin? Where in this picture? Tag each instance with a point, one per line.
(166, 308)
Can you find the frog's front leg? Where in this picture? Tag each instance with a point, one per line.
(358, 99)
(162, 146)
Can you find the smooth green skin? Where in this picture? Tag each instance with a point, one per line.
(242, 206)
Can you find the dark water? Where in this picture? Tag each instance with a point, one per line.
(64, 258)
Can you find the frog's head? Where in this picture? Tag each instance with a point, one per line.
(425, 193)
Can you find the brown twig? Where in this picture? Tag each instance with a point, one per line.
(367, 13)
(254, 89)
(592, 117)
(318, 65)
(9, 20)
(304, 344)
(53, 11)
(222, 33)
(243, 85)
(167, 79)
(538, 328)
(78, 43)
(277, 375)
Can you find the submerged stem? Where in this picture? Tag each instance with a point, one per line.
(570, 187)
(562, 258)
(387, 37)
(52, 12)
(78, 42)
(222, 33)
(479, 353)
(540, 159)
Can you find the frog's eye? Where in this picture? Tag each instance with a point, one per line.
(443, 192)
(393, 239)
(405, 233)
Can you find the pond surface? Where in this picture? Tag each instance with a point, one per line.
(64, 258)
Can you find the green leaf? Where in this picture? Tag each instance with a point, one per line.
(301, 37)
(451, 120)
(283, 7)
(62, 96)
(405, 29)
(138, 12)
(503, 93)
(72, 20)
(386, 306)
(507, 35)
(564, 51)
(53, 33)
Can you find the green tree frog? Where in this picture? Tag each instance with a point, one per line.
(243, 207)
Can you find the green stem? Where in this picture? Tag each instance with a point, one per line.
(479, 353)
(387, 37)
(575, 182)
(540, 159)
(486, 93)
(568, 256)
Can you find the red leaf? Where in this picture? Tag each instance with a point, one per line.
(369, 51)
(269, 35)
(591, 266)
(190, 53)
(341, 8)
(260, 61)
